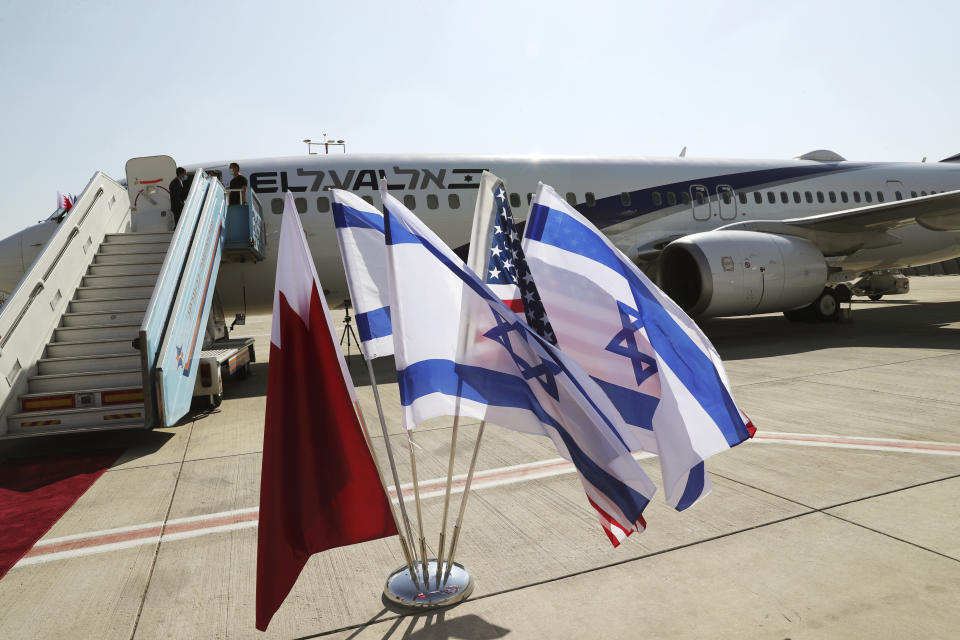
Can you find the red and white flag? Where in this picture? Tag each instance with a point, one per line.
(64, 202)
(319, 486)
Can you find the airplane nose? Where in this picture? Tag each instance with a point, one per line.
(11, 262)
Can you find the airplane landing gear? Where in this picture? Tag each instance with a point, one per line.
(826, 308)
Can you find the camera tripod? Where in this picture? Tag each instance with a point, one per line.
(348, 334)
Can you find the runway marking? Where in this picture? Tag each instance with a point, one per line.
(107, 540)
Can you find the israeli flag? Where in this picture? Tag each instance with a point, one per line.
(651, 359)
(360, 236)
(460, 350)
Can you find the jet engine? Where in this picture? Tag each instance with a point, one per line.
(727, 273)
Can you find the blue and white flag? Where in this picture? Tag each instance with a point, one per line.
(460, 350)
(654, 363)
(360, 236)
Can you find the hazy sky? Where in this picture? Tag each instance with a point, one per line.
(87, 85)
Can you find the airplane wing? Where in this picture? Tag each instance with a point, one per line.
(843, 233)
(938, 212)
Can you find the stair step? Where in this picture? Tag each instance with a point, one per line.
(78, 418)
(145, 279)
(138, 237)
(124, 269)
(90, 348)
(141, 257)
(93, 363)
(103, 305)
(98, 318)
(106, 397)
(102, 332)
(126, 247)
(104, 293)
(72, 382)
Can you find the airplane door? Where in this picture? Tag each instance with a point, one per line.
(726, 202)
(700, 201)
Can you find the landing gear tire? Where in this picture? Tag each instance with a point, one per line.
(826, 308)
(875, 296)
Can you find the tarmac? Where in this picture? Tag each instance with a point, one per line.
(839, 520)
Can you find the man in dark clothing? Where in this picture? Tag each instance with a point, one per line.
(237, 182)
(178, 193)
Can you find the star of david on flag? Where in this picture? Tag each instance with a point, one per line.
(653, 362)
(460, 350)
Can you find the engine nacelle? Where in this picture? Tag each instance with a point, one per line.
(729, 273)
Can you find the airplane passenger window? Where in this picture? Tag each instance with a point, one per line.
(913, 194)
(410, 201)
(898, 195)
(879, 196)
(808, 196)
(514, 199)
(856, 196)
(771, 197)
(301, 204)
(700, 197)
(685, 197)
(923, 193)
(276, 205)
(454, 201)
(323, 204)
(432, 202)
(796, 197)
(529, 198)
(758, 197)
(833, 196)
(625, 198)
(671, 198)
(656, 199)
(784, 198)
(843, 196)
(571, 198)
(741, 195)
(819, 196)
(590, 198)
(726, 197)
(867, 196)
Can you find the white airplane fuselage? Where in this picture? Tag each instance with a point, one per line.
(638, 203)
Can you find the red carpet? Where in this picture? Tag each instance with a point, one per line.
(36, 492)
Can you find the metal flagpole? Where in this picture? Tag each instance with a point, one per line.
(463, 502)
(403, 541)
(393, 468)
(416, 497)
(446, 497)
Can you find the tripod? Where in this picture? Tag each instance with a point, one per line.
(348, 333)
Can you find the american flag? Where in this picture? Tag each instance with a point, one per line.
(507, 272)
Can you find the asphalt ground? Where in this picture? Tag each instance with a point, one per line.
(839, 520)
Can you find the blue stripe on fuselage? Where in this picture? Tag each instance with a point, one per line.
(610, 210)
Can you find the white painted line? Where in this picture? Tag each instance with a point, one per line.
(118, 538)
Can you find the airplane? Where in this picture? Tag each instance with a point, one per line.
(722, 237)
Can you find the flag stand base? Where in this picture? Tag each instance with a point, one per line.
(401, 590)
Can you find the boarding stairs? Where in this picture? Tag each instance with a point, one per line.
(109, 336)
(90, 373)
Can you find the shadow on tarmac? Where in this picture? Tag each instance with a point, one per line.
(136, 443)
(900, 324)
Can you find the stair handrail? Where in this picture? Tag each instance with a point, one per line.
(179, 354)
(150, 335)
(35, 306)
